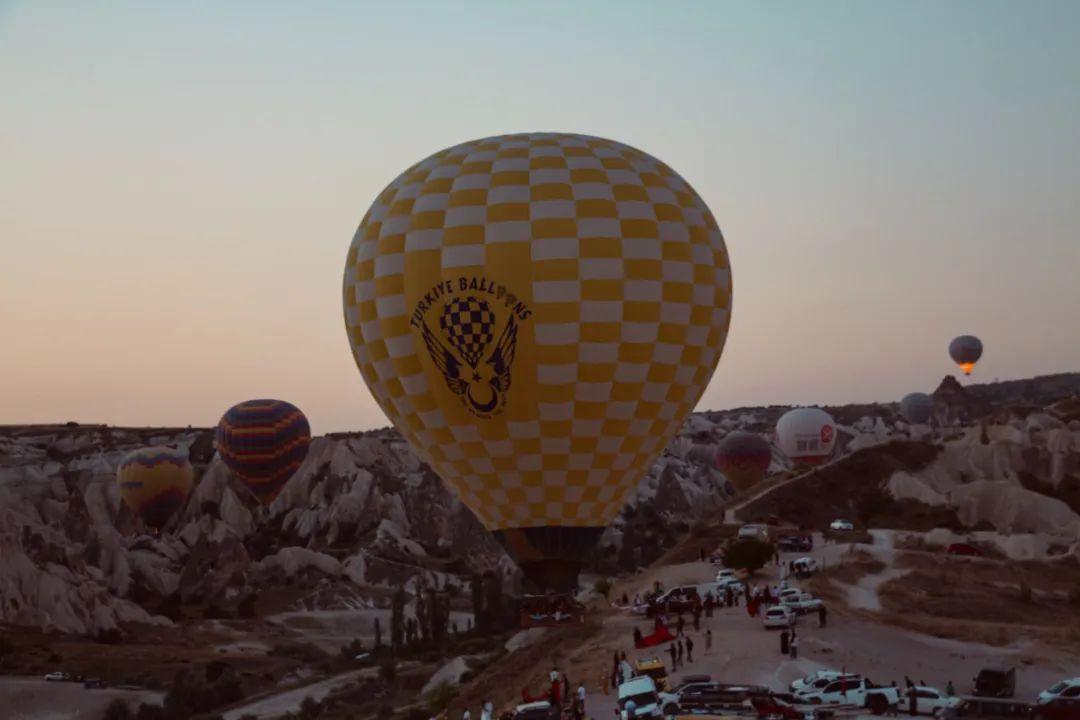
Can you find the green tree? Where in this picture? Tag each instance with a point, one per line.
(750, 555)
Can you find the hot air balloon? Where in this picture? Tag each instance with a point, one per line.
(263, 442)
(744, 458)
(537, 314)
(807, 435)
(965, 352)
(917, 408)
(155, 482)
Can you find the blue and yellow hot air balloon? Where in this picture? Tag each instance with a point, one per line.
(744, 458)
(155, 483)
(263, 442)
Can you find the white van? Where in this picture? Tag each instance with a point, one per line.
(642, 691)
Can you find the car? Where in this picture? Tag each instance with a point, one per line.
(540, 710)
(795, 543)
(778, 616)
(641, 690)
(963, 549)
(819, 676)
(986, 708)
(997, 682)
(57, 676)
(821, 682)
(678, 599)
(94, 683)
(861, 693)
(805, 566)
(840, 525)
(801, 603)
(725, 574)
(1069, 688)
(928, 700)
(753, 531)
(1059, 708)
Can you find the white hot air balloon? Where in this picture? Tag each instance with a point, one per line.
(807, 435)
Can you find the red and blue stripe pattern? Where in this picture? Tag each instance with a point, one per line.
(263, 442)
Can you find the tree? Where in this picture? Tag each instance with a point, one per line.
(397, 620)
(378, 635)
(749, 554)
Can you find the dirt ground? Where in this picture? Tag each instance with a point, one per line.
(32, 698)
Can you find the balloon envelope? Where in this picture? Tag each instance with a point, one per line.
(917, 408)
(263, 442)
(155, 483)
(965, 351)
(807, 435)
(537, 314)
(744, 458)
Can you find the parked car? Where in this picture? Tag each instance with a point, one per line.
(998, 682)
(642, 691)
(988, 708)
(840, 525)
(94, 683)
(541, 710)
(678, 599)
(57, 676)
(928, 700)
(800, 603)
(1069, 688)
(753, 531)
(1060, 708)
(778, 616)
(820, 678)
(805, 566)
(861, 693)
(795, 543)
(963, 549)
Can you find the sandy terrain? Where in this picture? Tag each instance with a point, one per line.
(28, 698)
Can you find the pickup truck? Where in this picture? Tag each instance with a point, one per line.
(861, 693)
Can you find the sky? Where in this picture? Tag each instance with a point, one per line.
(180, 182)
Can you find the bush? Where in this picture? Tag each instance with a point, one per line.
(749, 555)
(603, 587)
(117, 710)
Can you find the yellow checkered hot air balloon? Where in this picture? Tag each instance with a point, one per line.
(155, 483)
(537, 314)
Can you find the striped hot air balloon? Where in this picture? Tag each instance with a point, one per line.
(155, 483)
(263, 442)
(744, 458)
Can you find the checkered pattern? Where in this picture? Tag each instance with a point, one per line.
(467, 324)
(625, 276)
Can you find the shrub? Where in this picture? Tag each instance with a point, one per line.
(117, 710)
(603, 587)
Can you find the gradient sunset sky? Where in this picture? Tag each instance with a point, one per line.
(179, 183)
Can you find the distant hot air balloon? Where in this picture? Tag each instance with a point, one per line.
(155, 482)
(537, 314)
(744, 458)
(807, 435)
(965, 352)
(263, 442)
(917, 408)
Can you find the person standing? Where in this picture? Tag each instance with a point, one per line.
(631, 710)
(565, 688)
(466, 715)
(784, 642)
(708, 641)
(912, 703)
(581, 698)
(794, 646)
(486, 709)
(679, 650)
(689, 649)
(679, 625)
(674, 656)
(949, 689)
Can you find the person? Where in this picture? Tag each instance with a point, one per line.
(486, 709)
(679, 625)
(637, 599)
(912, 704)
(697, 619)
(689, 649)
(638, 639)
(708, 641)
(625, 669)
(702, 554)
(679, 650)
(794, 647)
(822, 616)
(727, 596)
(466, 715)
(631, 710)
(554, 674)
(776, 555)
(625, 599)
(949, 689)
(674, 657)
(907, 682)
(581, 697)
(565, 687)
(784, 642)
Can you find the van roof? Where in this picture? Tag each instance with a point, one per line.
(636, 685)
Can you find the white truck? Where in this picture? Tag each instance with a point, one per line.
(640, 690)
(861, 693)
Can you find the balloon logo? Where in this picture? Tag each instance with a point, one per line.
(826, 434)
(537, 314)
